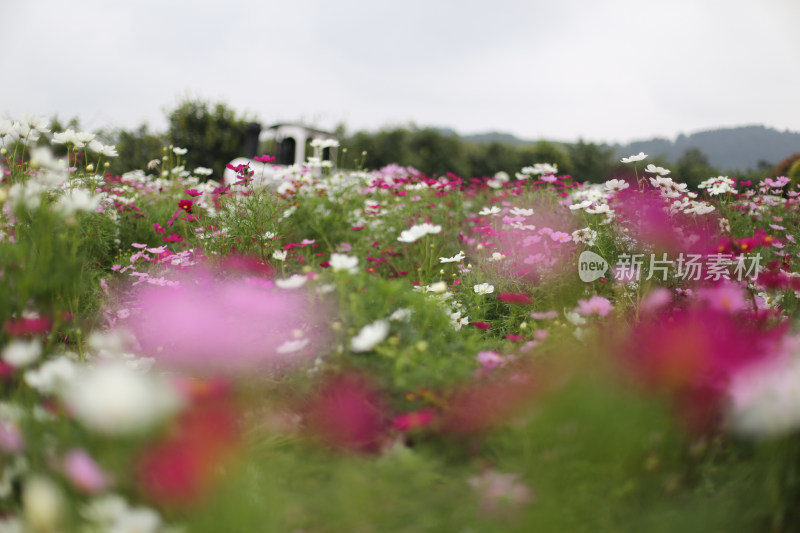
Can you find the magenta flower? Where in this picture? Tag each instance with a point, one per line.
(596, 305)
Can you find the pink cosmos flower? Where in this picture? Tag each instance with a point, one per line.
(11, 440)
(230, 325)
(500, 492)
(724, 297)
(489, 359)
(596, 305)
(84, 473)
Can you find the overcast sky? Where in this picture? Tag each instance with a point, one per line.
(603, 70)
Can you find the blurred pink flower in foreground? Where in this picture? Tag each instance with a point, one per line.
(226, 325)
(692, 355)
(498, 491)
(84, 472)
(347, 412)
(596, 305)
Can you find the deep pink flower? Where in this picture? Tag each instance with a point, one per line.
(173, 237)
(521, 298)
(186, 205)
(482, 325)
(691, 355)
(266, 158)
(414, 420)
(28, 326)
(347, 412)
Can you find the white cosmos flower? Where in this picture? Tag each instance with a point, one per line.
(632, 159)
(455, 259)
(520, 212)
(540, 168)
(84, 137)
(78, 200)
(280, 255)
(112, 399)
(66, 136)
(483, 288)
(19, 353)
(601, 209)
(344, 262)
(103, 149)
(292, 346)
(324, 143)
(52, 375)
(456, 320)
(293, 282)
(416, 232)
(403, 314)
(179, 151)
(616, 185)
(652, 169)
(28, 194)
(587, 236)
(574, 318)
(582, 205)
(699, 208)
(765, 398)
(438, 287)
(39, 123)
(7, 128)
(370, 336)
(486, 211)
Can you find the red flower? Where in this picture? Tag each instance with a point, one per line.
(482, 325)
(181, 469)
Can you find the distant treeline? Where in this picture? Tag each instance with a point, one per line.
(214, 134)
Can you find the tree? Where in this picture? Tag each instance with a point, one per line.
(211, 132)
(136, 148)
(590, 161)
(693, 167)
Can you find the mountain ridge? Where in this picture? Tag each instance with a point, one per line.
(732, 148)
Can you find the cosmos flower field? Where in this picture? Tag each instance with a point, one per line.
(381, 350)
